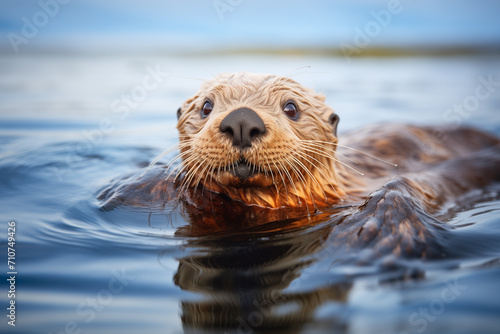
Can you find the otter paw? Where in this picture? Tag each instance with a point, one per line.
(390, 221)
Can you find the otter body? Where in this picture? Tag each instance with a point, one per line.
(258, 145)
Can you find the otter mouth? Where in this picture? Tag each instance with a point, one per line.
(243, 174)
(243, 170)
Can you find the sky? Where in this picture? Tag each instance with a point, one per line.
(198, 25)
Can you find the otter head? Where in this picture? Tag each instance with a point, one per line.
(261, 139)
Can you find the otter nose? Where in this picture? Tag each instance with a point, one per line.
(243, 125)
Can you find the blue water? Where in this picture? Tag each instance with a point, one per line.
(81, 269)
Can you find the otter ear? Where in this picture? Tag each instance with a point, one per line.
(334, 121)
(179, 112)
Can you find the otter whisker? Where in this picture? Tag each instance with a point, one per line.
(340, 162)
(188, 178)
(211, 173)
(211, 180)
(355, 150)
(336, 181)
(181, 187)
(183, 182)
(298, 174)
(305, 155)
(317, 151)
(169, 149)
(255, 165)
(189, 78)
(295, 70)
(261, 169)
(305, 151)
(313, 178)
(234, 167)
(289, 177)
(181, 154)
(283, 180)
(274, 181)
(178, 169)
(323, 146)
(309, 173)
(302, 180)
(336, 177)
(178, 156)
(177, 146)
(196, 174)
(200, 175)
(219, 169)
(183, 165)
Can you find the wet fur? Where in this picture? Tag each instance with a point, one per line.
(296, 158)
(304, 168)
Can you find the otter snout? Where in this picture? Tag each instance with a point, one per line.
(243, 125)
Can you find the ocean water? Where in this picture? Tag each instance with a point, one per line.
(69, 125)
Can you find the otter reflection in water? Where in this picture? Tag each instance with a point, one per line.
(250, 283)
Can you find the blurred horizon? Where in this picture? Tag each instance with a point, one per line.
(325, 27)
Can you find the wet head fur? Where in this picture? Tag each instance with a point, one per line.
(292, 164)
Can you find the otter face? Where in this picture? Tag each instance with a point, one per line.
(245, 132)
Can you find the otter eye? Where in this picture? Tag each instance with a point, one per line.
(206, 109)
(291, 110)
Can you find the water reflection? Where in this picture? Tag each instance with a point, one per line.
(258, 279)
(246, 282)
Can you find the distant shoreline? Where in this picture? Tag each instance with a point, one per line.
(369, 52)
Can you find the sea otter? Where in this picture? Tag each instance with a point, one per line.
(260, 145)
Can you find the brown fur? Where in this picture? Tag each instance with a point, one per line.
(296, 158)
(300, 162)
(303, 167)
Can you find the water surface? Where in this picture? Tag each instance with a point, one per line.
(64, 138)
